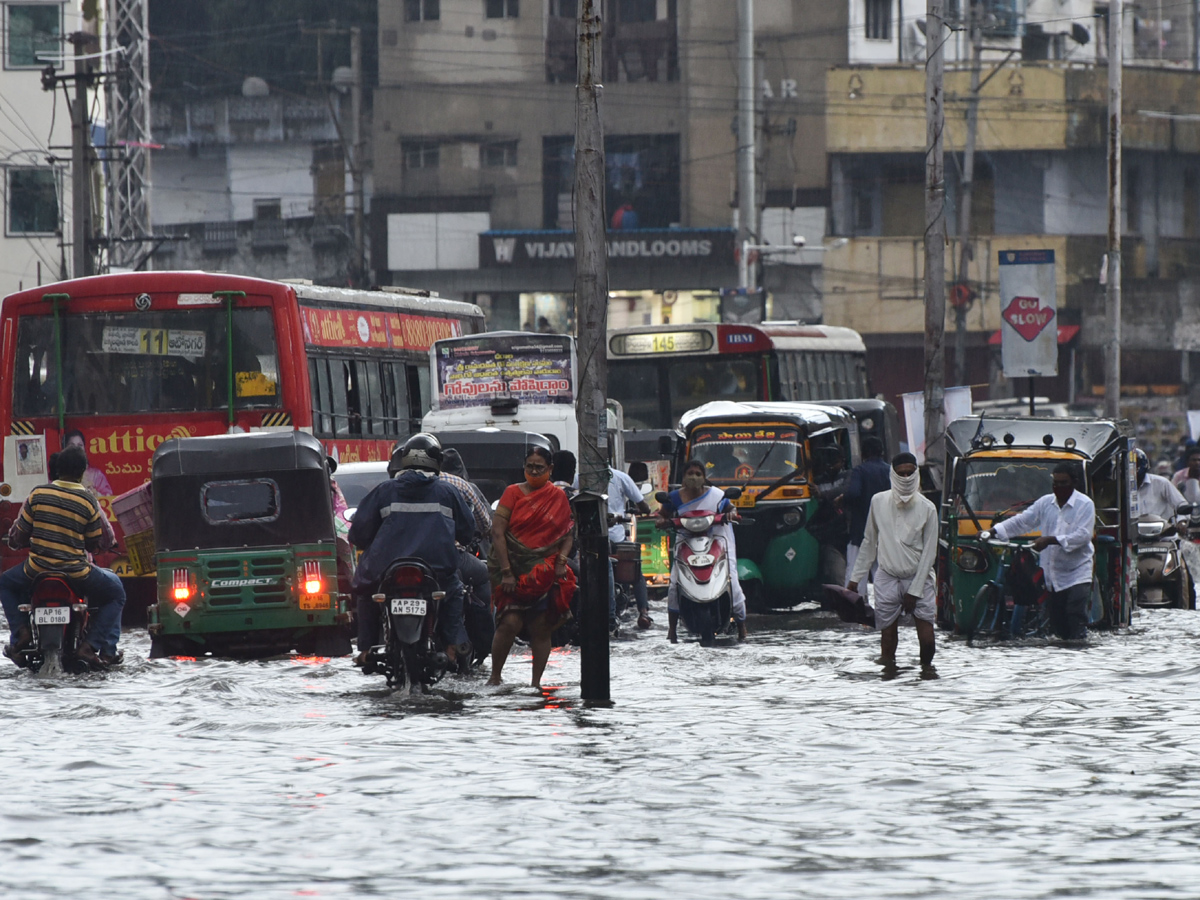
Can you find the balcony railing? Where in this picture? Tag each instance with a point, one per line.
(220, 237)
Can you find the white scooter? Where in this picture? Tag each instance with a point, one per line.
(702, 563)
(1163, 578)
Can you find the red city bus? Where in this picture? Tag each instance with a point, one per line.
(125, 362)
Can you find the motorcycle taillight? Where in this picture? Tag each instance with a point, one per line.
(54, 591)
(407, 576)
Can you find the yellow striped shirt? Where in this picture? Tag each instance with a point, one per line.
(61, 519)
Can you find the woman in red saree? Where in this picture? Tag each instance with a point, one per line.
(531, 584)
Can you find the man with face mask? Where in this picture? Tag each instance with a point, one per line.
(1066, 520)
(901, 536)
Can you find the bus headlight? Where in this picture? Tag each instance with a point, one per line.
(971, 560)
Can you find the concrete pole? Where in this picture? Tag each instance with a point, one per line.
(1112, 340)
(746, 143)
(356, 170)
(967, 192)
(935, 238)
(591, 305)
(81, 181)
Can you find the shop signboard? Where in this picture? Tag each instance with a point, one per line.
(541, 249)
(533, 368)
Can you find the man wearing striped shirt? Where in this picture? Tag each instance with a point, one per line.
(60, 523)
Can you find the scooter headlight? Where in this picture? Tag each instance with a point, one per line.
(698, 523)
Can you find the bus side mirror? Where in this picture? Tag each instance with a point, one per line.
(733, 493)
(666, 446)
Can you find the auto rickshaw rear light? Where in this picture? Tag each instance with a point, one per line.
(181, 585)
(312, 577)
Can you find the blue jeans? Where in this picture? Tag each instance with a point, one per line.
(104, 592)
(450, 627)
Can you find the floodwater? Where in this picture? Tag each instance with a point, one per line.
(781, 768)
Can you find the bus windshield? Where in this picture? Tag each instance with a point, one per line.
(684, 383)
(1007, 485)
(754, 453)
(135, 362)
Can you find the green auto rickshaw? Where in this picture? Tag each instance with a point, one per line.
(996, 466)
(791, 461)
(245, 548)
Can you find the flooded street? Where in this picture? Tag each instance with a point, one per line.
(781, 768)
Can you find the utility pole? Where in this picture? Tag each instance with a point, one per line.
(356, 161)
(591, 303)
(746, 119)
(81, 169)
(128, 175)
(1112, 342)
(975, 16)
(935, 238)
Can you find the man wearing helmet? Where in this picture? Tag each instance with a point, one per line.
(1156, 495)
(415, 514)
(1159, 498)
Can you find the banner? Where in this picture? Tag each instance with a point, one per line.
(535, 368)
(1028, 307)
(359, 328)
(957, 404)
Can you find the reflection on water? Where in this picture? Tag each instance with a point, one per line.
(785, 767)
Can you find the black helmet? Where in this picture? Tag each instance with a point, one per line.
(1143, 466)
(421, 451)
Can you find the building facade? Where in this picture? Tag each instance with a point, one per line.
(1040, 183)
(35, 127)
(473, 147)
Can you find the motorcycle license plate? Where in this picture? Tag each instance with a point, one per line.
(408, 606)
(702, 559)
(52, 615)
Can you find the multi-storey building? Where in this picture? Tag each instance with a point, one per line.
(35, 137)
(473, 136)
(1040, 182)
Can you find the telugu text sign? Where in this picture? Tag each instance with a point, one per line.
(534, 368)
(1029, 310)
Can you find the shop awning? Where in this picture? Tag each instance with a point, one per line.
(1065, 334)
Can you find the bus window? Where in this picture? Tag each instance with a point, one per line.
(395, 394)
(318, 371)
(376, 423)
(340, 408)
(120, 362)
(418, 395)
(697, 381)
(634, 384)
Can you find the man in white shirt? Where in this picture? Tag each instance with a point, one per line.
(902, 536)
(1156, 495)
(1066, 520)
(1188, 480)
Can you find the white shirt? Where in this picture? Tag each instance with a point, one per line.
(621, 488)
(1069, 562)
(1158, 497)
(902, 538)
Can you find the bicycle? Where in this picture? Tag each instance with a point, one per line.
(1000, 611)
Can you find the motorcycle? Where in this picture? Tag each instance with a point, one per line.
(410, 597)
(705, 588)
(58, 618)
(1163, 579)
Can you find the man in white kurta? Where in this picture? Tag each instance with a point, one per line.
(901, 536)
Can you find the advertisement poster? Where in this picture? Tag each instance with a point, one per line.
(957, 404)
(1028, 307)
(534, 368)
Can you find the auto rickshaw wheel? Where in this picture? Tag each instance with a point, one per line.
(331, 641)
(163, 646)
(986, 601)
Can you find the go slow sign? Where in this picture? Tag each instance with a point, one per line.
(1029, 306)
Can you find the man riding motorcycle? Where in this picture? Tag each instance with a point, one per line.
(59, 523)
(1159, 498)
(415, 514)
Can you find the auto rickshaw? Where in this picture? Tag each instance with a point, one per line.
(875, 417)
(996, 467)
(791, 461)
(246, 552)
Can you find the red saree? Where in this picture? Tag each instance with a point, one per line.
(538, 522)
